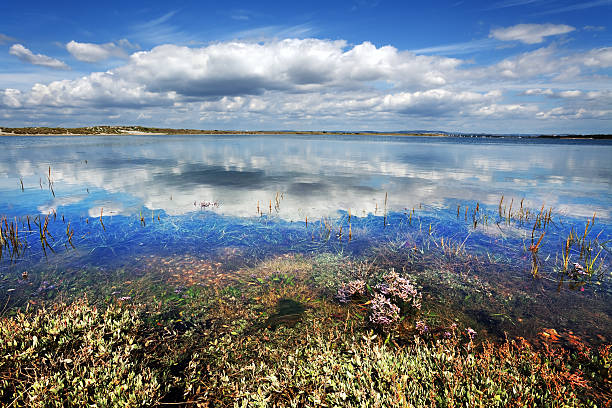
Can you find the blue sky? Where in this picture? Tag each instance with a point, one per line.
(507, 66)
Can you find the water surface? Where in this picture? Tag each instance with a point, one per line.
(139, 202)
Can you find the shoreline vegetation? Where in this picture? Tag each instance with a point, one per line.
(140, 130)
(288, 331)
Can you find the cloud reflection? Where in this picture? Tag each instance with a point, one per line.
(316, 176)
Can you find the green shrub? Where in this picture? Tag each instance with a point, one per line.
(74, 356)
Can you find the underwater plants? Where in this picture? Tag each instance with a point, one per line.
(400, 288)
(388, 299)
(382, 312)
(350, 289)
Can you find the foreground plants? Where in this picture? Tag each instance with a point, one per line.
(74, 355)
(271, 336)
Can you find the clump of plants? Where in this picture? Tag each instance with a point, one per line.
(74, 355)
(332, 367)
(389, 300)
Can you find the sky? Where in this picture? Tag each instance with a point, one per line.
(497, 66)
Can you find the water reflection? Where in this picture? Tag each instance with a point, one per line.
(316, 175)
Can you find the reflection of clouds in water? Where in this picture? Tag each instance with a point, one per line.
(108, 209)
(58, 202)
(317, 176)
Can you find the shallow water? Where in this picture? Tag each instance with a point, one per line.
(138, 205)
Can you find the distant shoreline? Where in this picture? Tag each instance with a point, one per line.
(145, 131)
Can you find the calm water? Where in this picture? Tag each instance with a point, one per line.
(138, 197)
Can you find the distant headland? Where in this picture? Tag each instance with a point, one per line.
(141, 130)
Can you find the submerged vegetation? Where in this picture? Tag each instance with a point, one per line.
(270, 335)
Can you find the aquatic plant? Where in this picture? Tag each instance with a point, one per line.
(347, 290)
(587, 250)
(329, 271)
(382, 312)
(422, 327)
(10, 240)
(393, 296)
(400, 288)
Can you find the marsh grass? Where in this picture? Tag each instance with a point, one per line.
(212, 338)
(428, 229)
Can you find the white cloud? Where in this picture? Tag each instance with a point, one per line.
(275, 32)
(555, 94)
(305, 83)
(161, 31)
(97, 89)
(432, 104)
(510, 3)
(529, 33)
(549, 61)
(26, 55)
(526, 65)
(89, 52)
(574, 99)
(434, 101)
(593, 28)
(458, 48)
(538, 91)
(601, 58)
(10, 98)
(579, 5)
(570, 94)
(565, 113)
(507, 110)
(240, 69)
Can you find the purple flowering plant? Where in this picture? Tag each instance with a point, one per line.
(383, 312)
(400, 289)
(393, 296)
(348, 290)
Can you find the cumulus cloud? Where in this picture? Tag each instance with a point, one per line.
(242, 68)
(529, 33)
(565, 113)
(28, 56)
(538, 91)
(550, 62)
(506, 110)
(10, 98)
(575, 93)
(599, 98)
(527, 64)
(89, 52)
(434, 101)
(168, 73)
(97, 89)
(302, 82)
